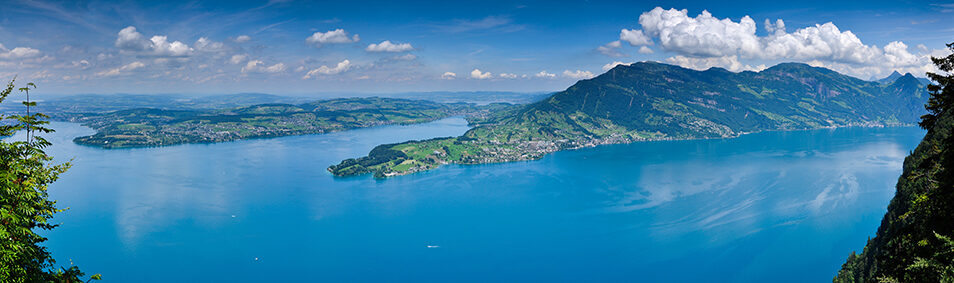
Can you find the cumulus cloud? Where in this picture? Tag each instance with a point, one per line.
(477, 74)
(611, 49)
(609, 66)
(635, 37)
(18, 53)
(279, 67)
(238, 58)
(703, 35)
(205, 45)
(325, 70)
(257, 66)
(387, 46)
(130, 40)
(242, 38)
(706, 39)
(508, 75)
(578, 74)
(730, 63)
(545, 75)
(319, 39)
(449, 76)
(118, 71)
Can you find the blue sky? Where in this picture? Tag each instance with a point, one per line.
(301, 47)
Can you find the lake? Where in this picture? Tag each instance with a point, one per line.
(779, 206)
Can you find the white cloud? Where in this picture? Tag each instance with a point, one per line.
(635, 37)
(705, 41)
(165, 48)
(44, 74)
(730, 63)
(609, 66)
(257, 66)
(242, 38)
(405, 57)
(477, 74)
(279, 67)
(238, 58)
(544, 74)
(508, 75)
(703, 35)
(821, 42)
(118, 71)
(325, 70)
(205, 45)
(578, 74)
(252, 66)
(130, 40)
(449, 76)
(387, 46)
(18, 53)
(611, 49)
(82, 64)
(330, 37)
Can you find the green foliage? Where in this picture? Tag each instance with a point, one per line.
(25, 173)
(940, 265)
(942, 92)
(158, 127)
(909, 246)
(653, 101)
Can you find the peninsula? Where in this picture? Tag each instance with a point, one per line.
(142, 127)
(654, 101)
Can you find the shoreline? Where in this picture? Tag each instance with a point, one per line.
(543, 154)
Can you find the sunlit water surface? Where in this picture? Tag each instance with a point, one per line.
(775, 206)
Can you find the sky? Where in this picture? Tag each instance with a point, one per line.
(305, 47)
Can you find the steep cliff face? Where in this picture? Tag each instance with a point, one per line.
(919, 219)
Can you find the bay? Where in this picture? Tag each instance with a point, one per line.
(779, 206)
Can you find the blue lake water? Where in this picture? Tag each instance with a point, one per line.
(779, 206)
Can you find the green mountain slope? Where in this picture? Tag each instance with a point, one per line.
(921, 207)
(653, 101)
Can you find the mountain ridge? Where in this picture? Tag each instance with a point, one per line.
(656, 101)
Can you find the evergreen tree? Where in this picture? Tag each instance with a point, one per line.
(942, 91)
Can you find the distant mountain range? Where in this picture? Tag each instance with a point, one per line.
(895, 75)
(654, 101)
(62, 105)
(141, 127)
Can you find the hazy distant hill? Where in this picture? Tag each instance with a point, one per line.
(63, 107)
(100, 103)
(653, 101)
(140, 127)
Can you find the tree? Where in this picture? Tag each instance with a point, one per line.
(940, 265)
(942, 91)
(25, 172)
